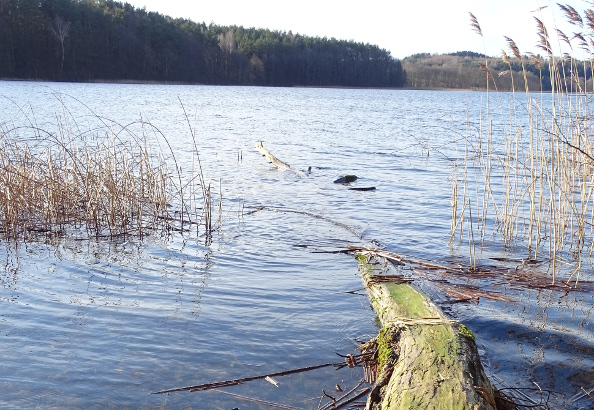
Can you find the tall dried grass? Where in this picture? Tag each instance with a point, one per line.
(94, 183)
(533, 178)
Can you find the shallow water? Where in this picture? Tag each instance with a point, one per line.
(99, 323)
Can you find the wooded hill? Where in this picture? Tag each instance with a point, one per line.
(469, 70)
(94, 40)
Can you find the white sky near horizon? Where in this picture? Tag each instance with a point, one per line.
(427, 26)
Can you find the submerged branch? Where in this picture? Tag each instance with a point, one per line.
(520, 277)
(311, 215)
(344, 400)
(259, 401)
(215, 385)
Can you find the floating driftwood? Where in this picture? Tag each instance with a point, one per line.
(275, 161)
(424, 359)
(271, 381)
(347, 179)
(286, 167)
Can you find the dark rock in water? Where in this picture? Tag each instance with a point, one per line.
(346, 179)
(368, 188)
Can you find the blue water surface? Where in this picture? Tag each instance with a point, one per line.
(102, 323)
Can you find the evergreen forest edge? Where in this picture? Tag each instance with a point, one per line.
(105, 40)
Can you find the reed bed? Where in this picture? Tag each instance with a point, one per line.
(529, 179)
(97, 182)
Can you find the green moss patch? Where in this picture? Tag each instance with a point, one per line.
(466, 332)
(385, 345)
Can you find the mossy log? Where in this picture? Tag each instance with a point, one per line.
(425, 360)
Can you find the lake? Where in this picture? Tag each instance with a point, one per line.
(100, 323)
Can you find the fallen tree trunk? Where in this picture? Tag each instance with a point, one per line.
(425, 360)
(275, 161)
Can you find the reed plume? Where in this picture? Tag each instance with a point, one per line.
(564, 38)
(543, 36)
(590, 20)
(573, 17)
(544, 165)
(513, 47)
(475, 24)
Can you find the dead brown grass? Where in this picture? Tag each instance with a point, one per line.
(97, 184)
(535, 178)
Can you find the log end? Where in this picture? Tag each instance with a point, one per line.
(427, 361)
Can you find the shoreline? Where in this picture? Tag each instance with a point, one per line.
(149, 82)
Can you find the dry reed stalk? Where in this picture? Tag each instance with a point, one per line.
(220, 218)
(546, 166)
(454, 201)
(196, 156)
(471, 238)
(93, 182)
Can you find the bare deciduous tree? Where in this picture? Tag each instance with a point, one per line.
(227, 41)
(60, 29)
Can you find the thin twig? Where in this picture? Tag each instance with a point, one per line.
(587, 393)
(267, 403)
(336, 401)
(355, 397)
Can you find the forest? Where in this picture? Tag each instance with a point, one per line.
(104, 40)
(470, 70)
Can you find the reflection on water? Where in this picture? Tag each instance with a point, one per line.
(98, 323)
(543, 340)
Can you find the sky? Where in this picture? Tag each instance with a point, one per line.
(401, 27)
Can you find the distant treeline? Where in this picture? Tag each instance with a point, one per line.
(470, 70)
(94, 40)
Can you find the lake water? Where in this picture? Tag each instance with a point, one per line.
(103, 323)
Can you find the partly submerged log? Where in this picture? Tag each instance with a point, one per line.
(425, 360)
(275, 161)
(286, 167)
(347, 179)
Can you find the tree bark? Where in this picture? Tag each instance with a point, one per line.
(427, 361)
